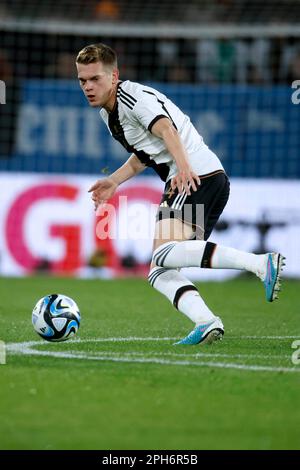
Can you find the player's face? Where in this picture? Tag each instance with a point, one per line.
(98, 84)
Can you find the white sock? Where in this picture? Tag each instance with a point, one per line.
(194, 307)
(180, 254)
(224, 257)
(198, 253)
(182, 293)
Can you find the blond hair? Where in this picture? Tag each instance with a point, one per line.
(98, 53)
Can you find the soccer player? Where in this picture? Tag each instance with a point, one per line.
(159, 135)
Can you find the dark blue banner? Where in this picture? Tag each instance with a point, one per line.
(254, 130)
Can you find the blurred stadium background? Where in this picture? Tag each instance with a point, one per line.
(229, 64)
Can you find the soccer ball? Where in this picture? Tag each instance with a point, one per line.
(56, 317)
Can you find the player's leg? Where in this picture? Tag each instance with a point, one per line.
(171, 282)
(213, 193)
(181, 292)
(200, 253)
(180, 218)
(191, 221)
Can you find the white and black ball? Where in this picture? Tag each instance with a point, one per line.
(56, 317)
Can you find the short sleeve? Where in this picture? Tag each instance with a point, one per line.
(149, 109)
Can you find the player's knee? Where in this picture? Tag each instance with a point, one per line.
(160, 254)
(150, 273)
(154, 274)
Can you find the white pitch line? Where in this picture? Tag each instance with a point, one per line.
(26, 348)
(195, 355)
(263, 337)
(12, 347)
(120, 339)
(144, 360)
(136, 338)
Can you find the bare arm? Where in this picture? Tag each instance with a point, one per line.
(131, 167)
(105, 188)
(165, 130)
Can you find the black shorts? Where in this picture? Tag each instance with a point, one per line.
(202, 208)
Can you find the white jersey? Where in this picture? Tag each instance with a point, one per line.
(137, 109)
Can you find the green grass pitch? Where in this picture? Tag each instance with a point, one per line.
(122, 384)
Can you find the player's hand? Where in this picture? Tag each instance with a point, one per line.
(102, 191)
(184, 181)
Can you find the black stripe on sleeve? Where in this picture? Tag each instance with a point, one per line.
(124, 101)
(162, 105)
(157, 118)
(129, 97)
(129, 100)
